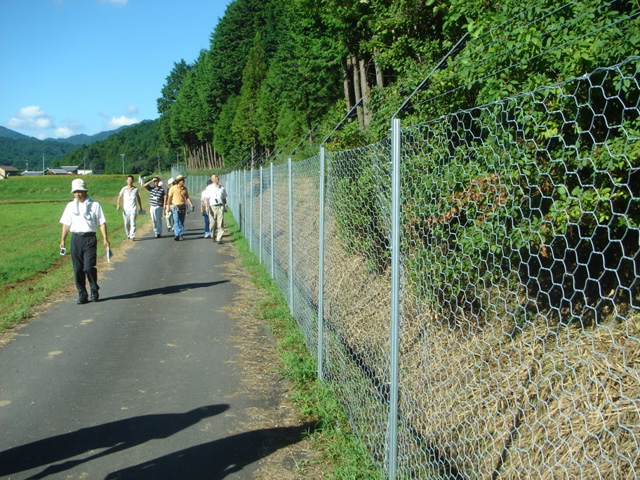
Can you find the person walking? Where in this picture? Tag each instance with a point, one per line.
(156, 203)
(83, 217)
(177, 202)
(216, 204)
(129, 196)
(204, 212)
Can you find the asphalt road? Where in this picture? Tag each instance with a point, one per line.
(144, 384)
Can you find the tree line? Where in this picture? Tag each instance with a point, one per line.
(275, 70)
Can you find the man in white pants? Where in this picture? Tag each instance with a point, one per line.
(216, 203)
(129, 196)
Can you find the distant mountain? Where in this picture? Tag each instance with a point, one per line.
(6, 133)
(22, 151)
(83, 139)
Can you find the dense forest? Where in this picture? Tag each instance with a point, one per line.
(29, 153)
(275, 70)
(140, 144)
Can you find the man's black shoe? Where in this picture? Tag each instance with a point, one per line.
(94, 296)
(82, 300)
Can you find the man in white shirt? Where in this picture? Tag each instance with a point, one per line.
(82, 217)
(203, 210)
(216, 204)
(130, 196)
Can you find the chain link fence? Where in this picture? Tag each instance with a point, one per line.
(518, 331)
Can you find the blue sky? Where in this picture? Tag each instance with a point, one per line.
(86, 66)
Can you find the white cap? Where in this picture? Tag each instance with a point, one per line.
(78, 185)
(170, 181)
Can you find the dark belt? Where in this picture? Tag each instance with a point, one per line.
(85, 234)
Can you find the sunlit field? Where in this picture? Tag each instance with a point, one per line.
(31, 267)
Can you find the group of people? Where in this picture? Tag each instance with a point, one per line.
(83, 217)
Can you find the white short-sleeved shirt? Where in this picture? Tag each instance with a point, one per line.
(83, 217)
(129, 198)
(216, 194)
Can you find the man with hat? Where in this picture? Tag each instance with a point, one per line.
(156, 203)
(83, 217)
(177, 201)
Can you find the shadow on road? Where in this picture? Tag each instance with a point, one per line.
(168, 290)
(114, 437)
(215, 460)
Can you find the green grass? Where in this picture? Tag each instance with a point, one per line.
(31, 267)
(344, 456)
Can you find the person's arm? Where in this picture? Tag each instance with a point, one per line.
(169, 200)
(139, 200)
(65, 232)
(118, 201)
(204, 206)
(105, 239)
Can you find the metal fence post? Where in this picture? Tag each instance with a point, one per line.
(244, 191)
(321, 265)
(395, 297)
(250, 229)
(273, 275)
(290, 236)
(260, 236)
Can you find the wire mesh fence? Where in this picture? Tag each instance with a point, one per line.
(520, 298)
(519, 318)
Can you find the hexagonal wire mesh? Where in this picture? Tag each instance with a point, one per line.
(520, 293)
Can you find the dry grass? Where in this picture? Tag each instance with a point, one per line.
(483, 397)
(260, 379)
(547, 401)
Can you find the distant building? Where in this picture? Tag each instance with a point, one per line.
(7, 171)
(84, 172)
(31, 173)
(56, 171)
(70, 170)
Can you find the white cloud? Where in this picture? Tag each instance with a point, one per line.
(31, 117)
(63, 132)
(34, 121)
(131, 110)
(117, 122)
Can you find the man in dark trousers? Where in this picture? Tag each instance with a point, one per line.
(82, 217)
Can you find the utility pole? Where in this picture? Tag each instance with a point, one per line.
(122, 155)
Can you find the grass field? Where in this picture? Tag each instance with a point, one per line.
(31, 268)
